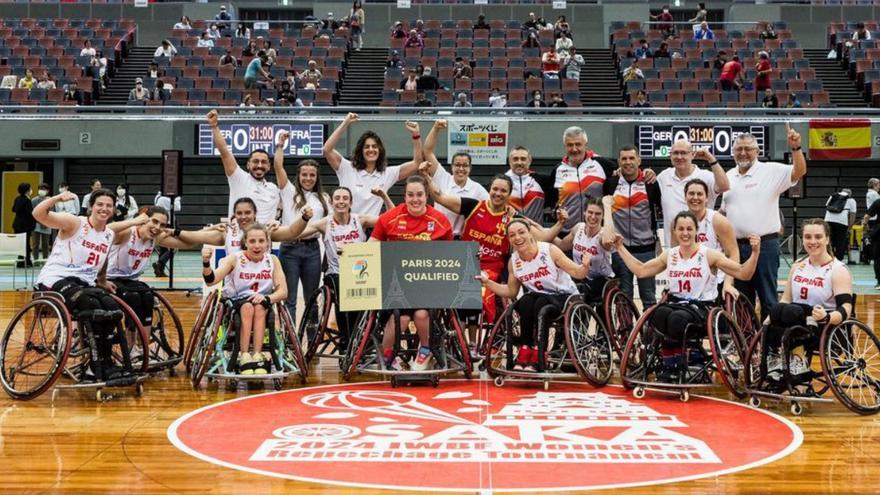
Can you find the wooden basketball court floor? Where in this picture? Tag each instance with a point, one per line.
(77, 445)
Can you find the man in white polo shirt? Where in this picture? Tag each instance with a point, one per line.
(458, 183)
(251, 184)
(683, 170)
(752, 206)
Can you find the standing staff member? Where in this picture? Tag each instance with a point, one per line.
(752, 205)
(530, 189)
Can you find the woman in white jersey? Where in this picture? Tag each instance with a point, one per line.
(340, 229)
(819, 288)
(714, 230)
(546, 273)
(589, 240)
(254, 280)
(691, 269)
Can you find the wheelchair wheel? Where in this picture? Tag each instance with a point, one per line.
(358, 344)
(850, 355)
(204, 348)
(455, 341)
(166, 337)
(133, 323)
(206, 314)
(754, 365)
(727, 352)
(34, 349)
(589, 343)
(743, 313)
(495, 345)
(291, 342)
(621, 315)
(641, 355)
(314, 321)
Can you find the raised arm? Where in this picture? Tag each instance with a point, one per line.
(569, 266)
(508, 290)
(722, 184)
(333, 157)
(64, 222)
(229, 163)
(294, 230)
(567, 242)
(739, 271)
(431, 143)
(213, 277)
(280, 146)
(386, 199)
(797, 154)
(412, 167)
(124, 225)
(552, 232)
(317, 226)
(215, 235)
(727, 238)
(640, 270)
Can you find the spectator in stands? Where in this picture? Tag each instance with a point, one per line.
(664, 21)
(561, 27)
(763, 71)
(770, 100)
(704, 33)
(702, 14)
(72, 93)
(286, 92)
(414, 40)
(228, 59)
(166, 49)
(411, 82)
(94, 185)
(861, 33)
(246, 102)
(420, 70)
(23, 222)
(543, 25)
(330, 23)
(462, 101)
(769, 33)
(641, 100)
(397, 31)
(394, 61)
(126, 206)
(550, 62)
(46, 81)
(840, 220)
(87, 50)
(101, 64)
(254, 70)
(481, 23)
(461, 70)
(223, 18)
(557, 101)
(422, 101)
(428, 82)
(420, 27)
(497, 99)
(214, 32)
(41, 238)
(357, 23)
(537, 100)
(251, 49)
(531, 23)
(205, 41)
(662, 51)
(643, 51)
(311, 75)
(573, 64)
(28, 80)
(271, 54)
(731, 78)
(531, 41)
(154, 70)
(242, 31)
(563, 44)
(633, 73)
(720, 60)
(184, 24)
(139, 92)
(159, 93)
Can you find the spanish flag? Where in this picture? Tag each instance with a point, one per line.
(839, 139)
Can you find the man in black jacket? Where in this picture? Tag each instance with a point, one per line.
(23, 222)
(427, 82)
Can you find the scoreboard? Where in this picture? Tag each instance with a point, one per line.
(306, 140)
(654, 141)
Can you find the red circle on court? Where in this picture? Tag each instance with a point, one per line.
(471, 435)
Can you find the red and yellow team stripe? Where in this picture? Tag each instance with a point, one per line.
(840, 139)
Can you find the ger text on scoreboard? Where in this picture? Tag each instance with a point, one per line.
(306, 140)
(655, 141)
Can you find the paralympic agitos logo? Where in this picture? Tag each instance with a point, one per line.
(510, 438)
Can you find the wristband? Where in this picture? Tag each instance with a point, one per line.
(417, 136)
(799, 148)
(266, 303)
(209, 278)
(712, 164)
(177, 231)
(206, 264)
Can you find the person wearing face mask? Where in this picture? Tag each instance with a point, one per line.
(139, 92)
(42, 235)
(70, 206)
(126, 206)
(752, 206)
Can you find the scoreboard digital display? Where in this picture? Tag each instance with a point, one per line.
(654, 141)
(306, 140)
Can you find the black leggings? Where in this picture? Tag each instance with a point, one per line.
(138, 296)
(592, 288)
(528, 307)
(345, 320)
(679, 319)
(82, 298)
(782, 317)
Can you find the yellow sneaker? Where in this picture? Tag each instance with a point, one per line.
(245, 363)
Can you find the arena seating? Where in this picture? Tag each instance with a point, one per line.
(690, 80)
(861, 60)
(497, 59)
(53, 46)
(197, 80)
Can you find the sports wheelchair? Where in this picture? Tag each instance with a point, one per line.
(317, 337)
(215, 347)
(166, 335)
(447, 342)
(44, 342)
(577, 344)
(705, 351)
(844, 358)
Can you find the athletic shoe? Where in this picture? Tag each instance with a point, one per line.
(799, 370)
(398, 364)
(671, 363)
(774, 367)
(422, 362)
(261, 363)
(877, 287)
(245, 363)
(388, 357)
(137, 355)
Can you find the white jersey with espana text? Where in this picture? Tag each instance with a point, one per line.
(691, 278)
(706, 231)
(249, 277)
(129, 260)
(600, 262)
(811, 285)
(80, 256)
(233, 237)
(540, 274)
(338, 235)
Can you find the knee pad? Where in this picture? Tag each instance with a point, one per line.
(786, 315)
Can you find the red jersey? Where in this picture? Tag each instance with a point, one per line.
(398, 225)
(489, 229)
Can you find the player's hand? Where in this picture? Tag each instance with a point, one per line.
(107, 285)
(273, 226)
(213, 118)
(794, 137)
(257, 298)
(281, 139)
(141, 219)
(207, 252)
(424, 168)
(704, 154)
(217, 227)
(730, 289)
(819, 313)
(586, 258)
(755, 243)
(307, 213)
(412, 126)
(441, 124)
(65, 196)
(617, 240)
(378, 191)
(484, 279)
(649, 176)
(561, 215)
(351, 117)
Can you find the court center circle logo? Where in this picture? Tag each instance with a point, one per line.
(473, 436)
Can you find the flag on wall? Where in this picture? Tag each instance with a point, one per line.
(840, 139)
